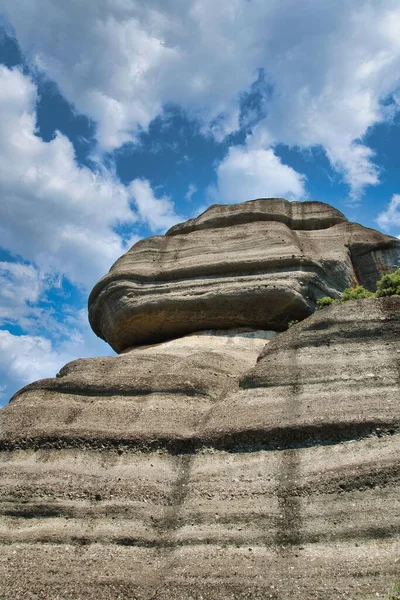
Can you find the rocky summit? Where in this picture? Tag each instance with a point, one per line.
(258, 264)
(221, 454)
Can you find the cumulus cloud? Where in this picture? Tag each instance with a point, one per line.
(390, 217)
(20, 288)
(248, 173)
(192, 189)
(129, 58)
(158, 213)
(53, 212)
(26, 358)
(24, 302)
(59, 218)
(330, 65)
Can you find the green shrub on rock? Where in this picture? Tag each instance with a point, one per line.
(355, 293)
(293, 322)
(325, 301)
(389, 285)
(395, 595)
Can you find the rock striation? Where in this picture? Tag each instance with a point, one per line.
(227, 463)
(257, 264)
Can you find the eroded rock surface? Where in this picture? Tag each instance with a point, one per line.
(192, 470)
(147, 396)
(258, 264)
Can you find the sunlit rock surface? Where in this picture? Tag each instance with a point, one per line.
(257, 264)
(146, 397)
(235, 463)
(183, 470)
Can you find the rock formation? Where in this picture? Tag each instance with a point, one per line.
(258, 264)
(221, 460)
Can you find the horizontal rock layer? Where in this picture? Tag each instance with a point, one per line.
(259, 264)
(297, 215)
(188, 470)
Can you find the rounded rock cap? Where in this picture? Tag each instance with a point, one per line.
(258, 264)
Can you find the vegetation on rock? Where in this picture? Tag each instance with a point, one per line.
(293, 322)
(355, 293)
(388, 285)
(395, 594)
(326, 301)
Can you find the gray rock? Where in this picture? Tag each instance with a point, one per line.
(231, 463)
(189, 470)
(257, 264)
(296, 215)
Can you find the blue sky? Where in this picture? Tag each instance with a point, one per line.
(119, 118)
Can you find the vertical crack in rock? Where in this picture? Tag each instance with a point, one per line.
(171, 521)
(289, 522)
(169, 524)
(288, 533)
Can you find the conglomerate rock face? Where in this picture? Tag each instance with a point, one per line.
(257, 264)
(185, 470)
(225, 464)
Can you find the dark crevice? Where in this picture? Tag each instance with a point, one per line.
(367, 533)
(87, 390)
(245, 441)
(330, 536)
(38, 511)
(372, 478)
(254, 382)
(281, 265)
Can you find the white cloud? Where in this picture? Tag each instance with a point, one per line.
(192, 189)
(21, 287)
(59, 217)
(390, 217)
(330, 64)
(249, 173)
(53, 212)
(129, 58)
(23, 297)
(26, 358)
(158, 213)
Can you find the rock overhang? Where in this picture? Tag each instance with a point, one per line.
(256, 264)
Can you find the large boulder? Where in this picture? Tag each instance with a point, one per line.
(190, 469)
(258, 264)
